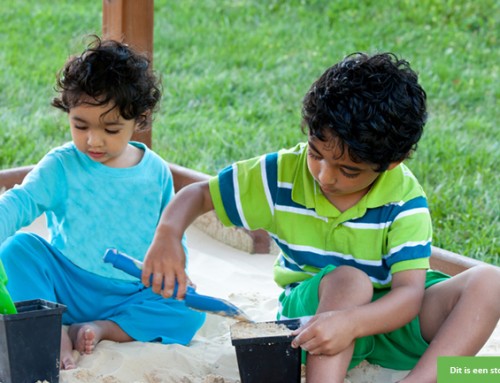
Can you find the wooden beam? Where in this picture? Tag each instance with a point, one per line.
(11, 177)
(131, 22)
(451, 263)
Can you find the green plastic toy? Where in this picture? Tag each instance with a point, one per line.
(6, 304)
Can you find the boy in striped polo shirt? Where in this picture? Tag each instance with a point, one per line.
(354, 230)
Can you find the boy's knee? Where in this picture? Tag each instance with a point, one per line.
(350, 274)
(349, 282)
(484, 278)
(482, 287)
(17, 246)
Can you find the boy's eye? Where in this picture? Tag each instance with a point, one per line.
(110, 131)
(349, 175)
(80, 127)
(313, 155)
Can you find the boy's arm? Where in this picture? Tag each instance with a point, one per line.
(331, 332)
(41, 190)
(165, 258)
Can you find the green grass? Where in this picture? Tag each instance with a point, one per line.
(234, 73)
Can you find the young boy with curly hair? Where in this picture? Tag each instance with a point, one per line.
(99, 191)
(354, 230)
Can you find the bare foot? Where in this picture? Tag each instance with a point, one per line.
(67, 362)
(84, 336)
(66, 358)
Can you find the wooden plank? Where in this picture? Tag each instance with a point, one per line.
(11, 177)
(451, 263)
(131, 22)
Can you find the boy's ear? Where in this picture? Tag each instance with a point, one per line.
(392, 165)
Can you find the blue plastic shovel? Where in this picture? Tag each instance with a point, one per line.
(192, 298)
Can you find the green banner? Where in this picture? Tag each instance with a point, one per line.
(468, 369)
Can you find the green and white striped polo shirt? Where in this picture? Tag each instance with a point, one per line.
(387, 231)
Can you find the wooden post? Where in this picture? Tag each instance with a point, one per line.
(131, 21)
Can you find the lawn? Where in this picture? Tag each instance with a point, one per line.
(234, 73)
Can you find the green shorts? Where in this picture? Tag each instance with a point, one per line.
(399, 350)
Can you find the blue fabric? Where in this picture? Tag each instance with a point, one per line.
(226, 177)
(90, 206)
(272, 174)
(38, 270)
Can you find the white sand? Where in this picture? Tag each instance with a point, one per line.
(219, 270)
(247, 330)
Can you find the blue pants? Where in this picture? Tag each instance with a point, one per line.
(37, 270)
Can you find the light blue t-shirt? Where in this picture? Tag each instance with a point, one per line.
(91, 207)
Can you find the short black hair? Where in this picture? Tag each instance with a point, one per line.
(373, 105)
(109, 71)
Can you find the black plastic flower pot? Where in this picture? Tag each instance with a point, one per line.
(269, 358)
(30, 342)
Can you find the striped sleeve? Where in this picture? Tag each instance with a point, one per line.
(244, 192)
(409, 237)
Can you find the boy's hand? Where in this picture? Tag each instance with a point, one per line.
(331, 332)
(165, 258)
(325, 334)
(166, 261)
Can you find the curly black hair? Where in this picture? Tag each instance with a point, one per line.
(373, 105)
(109, 72)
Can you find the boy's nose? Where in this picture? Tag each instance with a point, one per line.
(94, 139)
(327, 176)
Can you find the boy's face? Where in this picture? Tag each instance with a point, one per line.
(342, 181)
(103, 135)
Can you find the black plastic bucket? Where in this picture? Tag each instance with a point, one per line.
(30, 342)
(269, 359)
